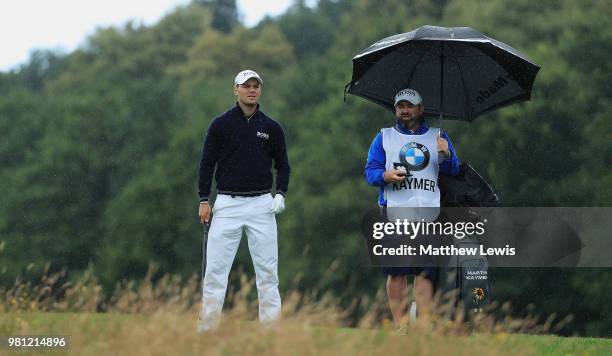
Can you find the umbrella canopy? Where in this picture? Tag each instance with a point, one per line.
(459, 72)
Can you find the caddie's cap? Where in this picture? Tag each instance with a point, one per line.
(245, 75)
(410, 95)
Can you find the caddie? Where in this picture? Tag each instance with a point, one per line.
(243, 144)
(404, 161)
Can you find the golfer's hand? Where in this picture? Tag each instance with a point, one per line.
(443, 147)
(278, 204)
(204, 212)
(394, 175)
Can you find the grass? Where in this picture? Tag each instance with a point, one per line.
(165, 333)
(146, 318)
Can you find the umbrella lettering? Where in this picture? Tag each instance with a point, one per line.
(497, 84)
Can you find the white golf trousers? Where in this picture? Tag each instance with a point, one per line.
(230, 216)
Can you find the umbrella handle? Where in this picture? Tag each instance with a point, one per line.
(441, 84)
(346, 89)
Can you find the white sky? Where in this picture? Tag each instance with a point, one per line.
(64, 24)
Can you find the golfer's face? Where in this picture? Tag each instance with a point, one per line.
(249, 92)
(408, 112)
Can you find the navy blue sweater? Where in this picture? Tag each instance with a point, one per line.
(243, 150)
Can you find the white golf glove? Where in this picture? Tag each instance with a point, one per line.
(278, 205)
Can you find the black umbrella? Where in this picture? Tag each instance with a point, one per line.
(459, 72)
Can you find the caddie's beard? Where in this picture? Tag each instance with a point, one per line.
(411, 122)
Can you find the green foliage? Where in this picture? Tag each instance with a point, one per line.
(100, 147)
(311, 31)
(224, 12)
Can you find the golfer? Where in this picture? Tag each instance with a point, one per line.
(242, 144)
(401, 163)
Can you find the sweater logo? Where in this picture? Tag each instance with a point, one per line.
(263, 135)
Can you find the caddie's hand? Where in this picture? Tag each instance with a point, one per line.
(443, 147)
(394, 175)
(278, 204)
(204, 212)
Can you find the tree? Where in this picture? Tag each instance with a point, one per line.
(225, 14)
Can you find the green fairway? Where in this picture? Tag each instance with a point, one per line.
(555, 345)
(174, 333)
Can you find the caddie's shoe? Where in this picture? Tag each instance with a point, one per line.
(402, 330)
(412, 313)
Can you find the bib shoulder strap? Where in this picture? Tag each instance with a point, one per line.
(435, 130)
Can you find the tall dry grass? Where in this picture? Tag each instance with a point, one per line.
(159, 317)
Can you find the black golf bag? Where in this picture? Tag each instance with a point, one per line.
(464, 281)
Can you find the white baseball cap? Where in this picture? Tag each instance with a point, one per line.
(245, 75)
(410, 95)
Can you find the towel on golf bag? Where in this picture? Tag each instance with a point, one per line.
(466, 189)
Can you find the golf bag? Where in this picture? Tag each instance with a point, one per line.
(464, 280)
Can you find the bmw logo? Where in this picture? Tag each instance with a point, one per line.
(414, 156)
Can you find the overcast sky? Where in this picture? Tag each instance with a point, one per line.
(64, 24)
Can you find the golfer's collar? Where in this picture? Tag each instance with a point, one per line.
(421, 130)
(242, 112)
